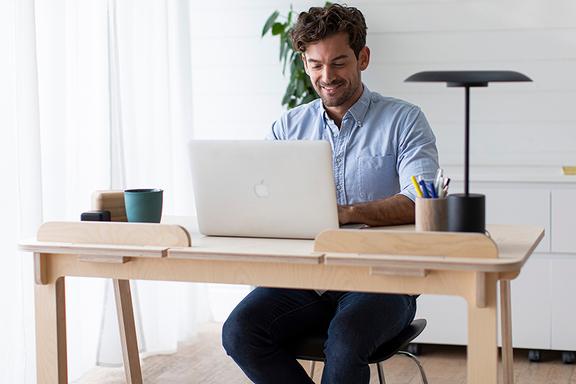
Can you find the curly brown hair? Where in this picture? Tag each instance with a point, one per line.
(321, 22)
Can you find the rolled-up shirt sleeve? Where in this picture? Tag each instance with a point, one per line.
(417, 153)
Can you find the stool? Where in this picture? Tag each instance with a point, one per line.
(312, 349)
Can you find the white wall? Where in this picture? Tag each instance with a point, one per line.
(238, 82)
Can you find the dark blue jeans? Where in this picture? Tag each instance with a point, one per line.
(356, 324)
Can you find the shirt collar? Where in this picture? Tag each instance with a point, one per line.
(358, 110)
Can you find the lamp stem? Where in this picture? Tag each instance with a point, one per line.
(466, 139)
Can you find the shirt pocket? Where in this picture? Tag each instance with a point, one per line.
(377, 177)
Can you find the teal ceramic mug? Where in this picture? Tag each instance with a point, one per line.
(143, 205)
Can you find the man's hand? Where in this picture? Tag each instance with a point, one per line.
(395, 210)
(345, 214)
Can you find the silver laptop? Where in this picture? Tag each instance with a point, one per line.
(280, 189)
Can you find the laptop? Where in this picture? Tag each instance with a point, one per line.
(265, 188)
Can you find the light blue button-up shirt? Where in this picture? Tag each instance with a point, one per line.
(381, 143)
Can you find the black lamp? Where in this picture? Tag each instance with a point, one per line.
(466, 211)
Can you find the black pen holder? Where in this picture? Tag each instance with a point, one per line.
(467, 213)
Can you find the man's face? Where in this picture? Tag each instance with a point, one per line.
(335, 71)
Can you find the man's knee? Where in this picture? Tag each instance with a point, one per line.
(234, 333)
(350, 347)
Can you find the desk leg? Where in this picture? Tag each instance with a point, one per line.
(127, 331)
(482, 356)
(51, 359)
(506, 327)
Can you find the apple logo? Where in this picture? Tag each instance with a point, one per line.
(261, 189)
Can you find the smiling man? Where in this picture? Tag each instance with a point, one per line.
(334, 69)
(378, 143)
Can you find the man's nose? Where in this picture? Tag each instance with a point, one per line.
(327, 74)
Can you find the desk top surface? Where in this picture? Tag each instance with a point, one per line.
(515, 243)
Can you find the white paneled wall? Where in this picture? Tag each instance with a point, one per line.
(238, 82)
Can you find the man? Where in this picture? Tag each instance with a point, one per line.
(378, 144)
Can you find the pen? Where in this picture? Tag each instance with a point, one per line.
(416, 186)
(424, 189)
(445, 184)
(438, 180)
(433, 191)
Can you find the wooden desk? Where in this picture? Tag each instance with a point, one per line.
(163, 252)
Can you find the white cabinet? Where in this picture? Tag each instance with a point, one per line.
(563, 220)
(517, 205)
(446, 318)
(530, 294)
(513, 203)
(563, 302)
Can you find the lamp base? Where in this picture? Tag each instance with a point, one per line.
(466, 213)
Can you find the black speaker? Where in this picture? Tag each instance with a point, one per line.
(466, 213)
(95, 216)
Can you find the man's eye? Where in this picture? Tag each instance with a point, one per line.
(338, 65)
(316, 67)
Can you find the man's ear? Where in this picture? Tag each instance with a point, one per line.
(303, 57)
(364, 58)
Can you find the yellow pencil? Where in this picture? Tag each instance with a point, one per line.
(416, 186)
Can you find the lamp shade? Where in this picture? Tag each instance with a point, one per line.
(467, 78)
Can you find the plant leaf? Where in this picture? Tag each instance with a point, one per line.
(277, 28)
(290, 13)
(283, 49)
(288, 94)
(294, 66)
(271, 19)
(287, 49)
(300, 86)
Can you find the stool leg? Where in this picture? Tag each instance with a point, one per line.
(312, 366)
(415, 360)
(381, 378)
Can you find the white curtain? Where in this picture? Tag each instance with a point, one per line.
(94, 95)
(20, 188)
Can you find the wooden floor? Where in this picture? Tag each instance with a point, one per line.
(202, 360)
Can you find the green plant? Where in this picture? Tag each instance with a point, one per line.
(299, 89)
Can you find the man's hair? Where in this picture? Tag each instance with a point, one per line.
(321, 22)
